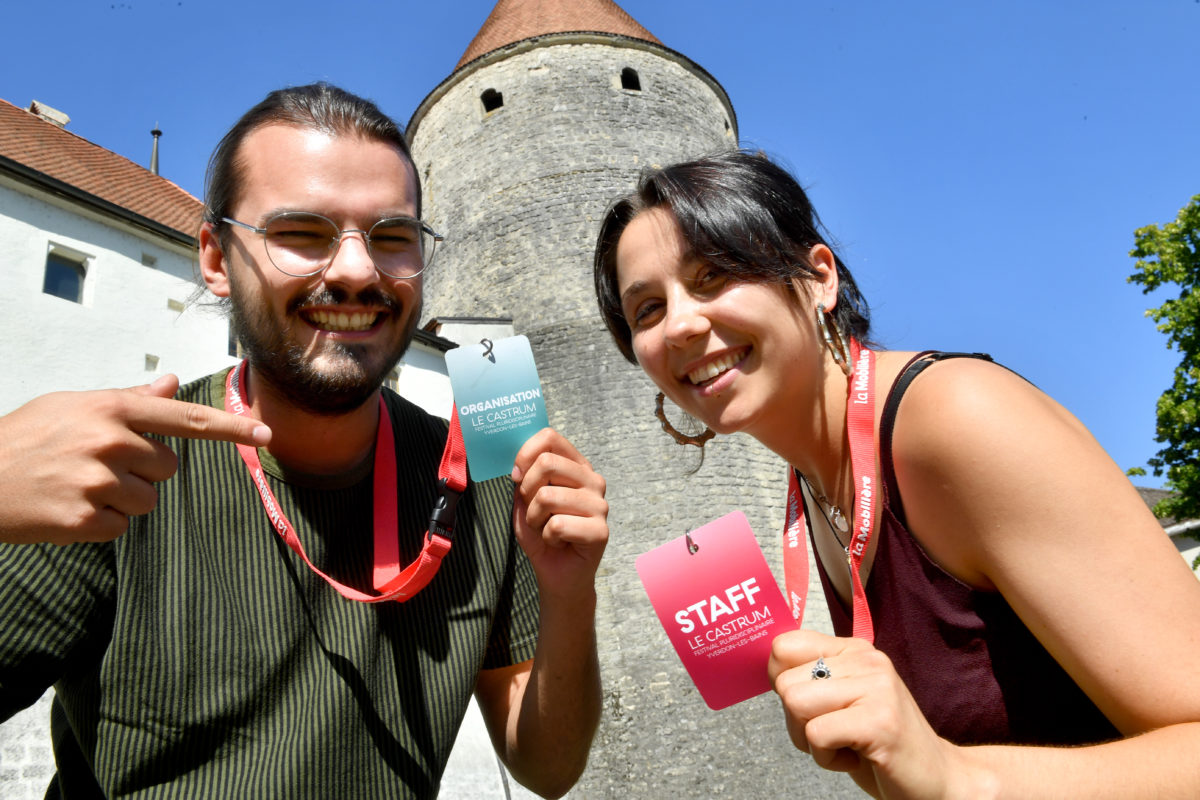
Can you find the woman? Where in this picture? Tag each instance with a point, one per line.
(1017, 591)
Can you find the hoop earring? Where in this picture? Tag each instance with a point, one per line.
(833, 339)
(680, 438)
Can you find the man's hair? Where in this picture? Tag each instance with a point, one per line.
(737, 211)
(318, 106)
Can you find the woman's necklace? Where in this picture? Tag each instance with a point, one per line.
(834, 516)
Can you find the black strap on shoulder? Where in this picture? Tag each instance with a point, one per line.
(887, 422)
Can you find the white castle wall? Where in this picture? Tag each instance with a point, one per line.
(129, 311)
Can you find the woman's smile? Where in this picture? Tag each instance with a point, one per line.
(707, 372)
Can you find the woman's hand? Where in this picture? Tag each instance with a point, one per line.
(862, 720)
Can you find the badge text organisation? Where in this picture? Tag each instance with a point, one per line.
(504, 406)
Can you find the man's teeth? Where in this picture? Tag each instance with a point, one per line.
(715, 368)
(341, 321)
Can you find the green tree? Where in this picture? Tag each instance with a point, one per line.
(1170, 255)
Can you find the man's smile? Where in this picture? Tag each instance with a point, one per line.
(341, 321)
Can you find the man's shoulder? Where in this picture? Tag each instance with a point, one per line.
(208, 391)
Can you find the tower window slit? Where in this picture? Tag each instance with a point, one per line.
(491, 100)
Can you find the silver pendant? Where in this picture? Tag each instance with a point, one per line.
(838, 519)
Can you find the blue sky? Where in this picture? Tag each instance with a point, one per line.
(983, 165)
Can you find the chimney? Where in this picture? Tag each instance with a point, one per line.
(154, 153)
(51, 115)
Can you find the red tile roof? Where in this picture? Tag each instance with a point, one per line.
(514, 20)
(60, 155)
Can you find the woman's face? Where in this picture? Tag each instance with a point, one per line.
(731, 353)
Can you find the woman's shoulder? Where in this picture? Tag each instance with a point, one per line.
(972, 442)
(968, 420)
(958, 396)
(951, 367)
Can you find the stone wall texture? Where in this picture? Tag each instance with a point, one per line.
(519, 192)
(26, 761)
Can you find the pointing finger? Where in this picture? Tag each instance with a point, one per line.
(167, 417)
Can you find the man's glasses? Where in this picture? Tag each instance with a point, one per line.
(302, 244)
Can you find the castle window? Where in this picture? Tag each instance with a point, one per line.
(491, 100)
(64, 275)
(630, 81)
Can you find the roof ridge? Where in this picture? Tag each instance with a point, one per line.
(38, 146)
(512, 21)
(88, 142)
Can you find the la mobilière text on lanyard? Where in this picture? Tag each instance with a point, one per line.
(860, 429)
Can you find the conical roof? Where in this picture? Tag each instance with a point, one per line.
(515, 20)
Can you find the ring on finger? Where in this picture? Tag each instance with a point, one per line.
(821, 671)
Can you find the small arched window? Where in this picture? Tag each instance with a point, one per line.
(491, 100)
(630, 81)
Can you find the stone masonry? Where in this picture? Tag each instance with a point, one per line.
(519, 191)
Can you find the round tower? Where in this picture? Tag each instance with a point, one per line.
(551, 114)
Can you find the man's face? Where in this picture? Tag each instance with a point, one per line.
(326, 342)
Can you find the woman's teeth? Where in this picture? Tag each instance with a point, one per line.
(341, 321)
(715, 368)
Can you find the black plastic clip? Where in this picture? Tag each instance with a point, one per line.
(487, 353)
(441, 519)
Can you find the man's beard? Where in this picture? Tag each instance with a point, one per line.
(283, 363)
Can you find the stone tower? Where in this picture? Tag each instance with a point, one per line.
(550, 114)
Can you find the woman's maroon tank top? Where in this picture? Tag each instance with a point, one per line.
(975, 670)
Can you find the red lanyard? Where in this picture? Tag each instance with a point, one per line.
(860, 428)
(393, 582)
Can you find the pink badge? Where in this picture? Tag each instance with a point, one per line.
(720, 607)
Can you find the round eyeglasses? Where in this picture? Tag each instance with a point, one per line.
(302, 244)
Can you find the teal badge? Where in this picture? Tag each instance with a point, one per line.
(499, 400)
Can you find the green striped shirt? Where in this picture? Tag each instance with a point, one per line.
(197, 656)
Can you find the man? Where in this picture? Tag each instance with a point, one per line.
(198, 656)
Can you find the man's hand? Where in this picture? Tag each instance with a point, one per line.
(560, 515)
(74, 466)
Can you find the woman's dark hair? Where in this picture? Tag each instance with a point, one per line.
(737, 211)
(318, 106)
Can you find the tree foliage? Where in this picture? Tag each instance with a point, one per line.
(1170, 256)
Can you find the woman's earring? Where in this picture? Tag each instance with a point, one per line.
(680, 438)
(833, 338)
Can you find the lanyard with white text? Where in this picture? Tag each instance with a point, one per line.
(390, 580)
(860, 429)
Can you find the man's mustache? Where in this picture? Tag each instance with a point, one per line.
(327, 296)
